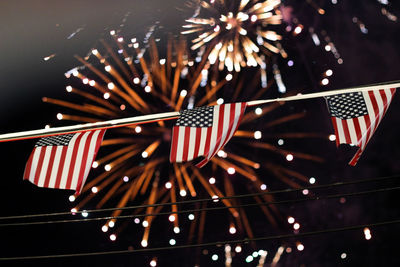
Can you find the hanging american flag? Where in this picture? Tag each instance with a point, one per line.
(63, 161)
(204, 131)
(355, 116)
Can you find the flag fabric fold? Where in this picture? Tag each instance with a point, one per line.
(203, 131)
(63, 161)
(356, 116)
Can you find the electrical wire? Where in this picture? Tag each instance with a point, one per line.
(246, 240)
(288, 190)
(204, 209)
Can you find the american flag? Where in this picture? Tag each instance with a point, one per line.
(204, 131)
(63, 161)
(355, 116)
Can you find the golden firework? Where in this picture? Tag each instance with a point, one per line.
(118, 80)
(237, 33)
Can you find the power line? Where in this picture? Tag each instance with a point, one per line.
(264, 238)
(288, 190)
(204, 209)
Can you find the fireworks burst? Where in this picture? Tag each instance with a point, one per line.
(135, 159)
(238, 32)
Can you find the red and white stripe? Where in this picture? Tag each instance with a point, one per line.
(64, 167)
(192, 142)
(358, 131)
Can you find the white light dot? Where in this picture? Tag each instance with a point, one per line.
(343, 256)
(183, 93)
(120, 39)
(328, 48)
(92, 83)
(84, 213)
(325, 81)
(126, 179)
(229, 77)
(214, 257)
(59, 116)
(172, 242)
(231, 170)
(298, 29)
(162, 61)
(106, 95)
(107, 68)
(136, 80)
(211, 180)
(95, 51)
(145, 224)
(305, 192)
(281, 142)
(249, 258)
(332, 137)
(238, 249)
(290, 220)
(153, 263)
(137, 220)
(220, 101)
(113, 237)
(191, 217)
(328, 72)
(290, 63)
(111, 86)
(253, 18)
(296, 226)
(263, 187)
(75, 73)
(71, 198)
(107, 167)
(254, 254)
(215, 198)
(138, 129)
(95, 189)
(147, 89)
(47, 126)
(171, 218)
(112, 32)
(258, 111)
(289, 157)
(104, 228)
(95, 164)
(85, 81)
(300, 247)
(145, 154)
(312, 180)
(144, 243)
(257, 135)
(135, 45)
(69, 88)
(232, 230)
(182, 193)
(177, 230)
(111, 224)
(73, 210)
(168, 185)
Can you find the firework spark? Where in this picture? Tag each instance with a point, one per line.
(118, 80)
(238, 32)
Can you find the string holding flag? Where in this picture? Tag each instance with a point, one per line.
(356, 116)
(63, 158)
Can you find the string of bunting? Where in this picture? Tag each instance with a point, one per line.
(63, 157)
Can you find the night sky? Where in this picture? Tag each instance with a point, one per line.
(32, 30)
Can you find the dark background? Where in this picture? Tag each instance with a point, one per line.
(32, 30)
